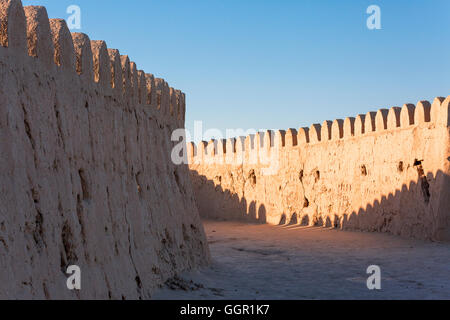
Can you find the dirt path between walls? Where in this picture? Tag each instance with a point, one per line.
(275, 262)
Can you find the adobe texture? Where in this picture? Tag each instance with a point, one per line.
(384, 171)
(86, 176)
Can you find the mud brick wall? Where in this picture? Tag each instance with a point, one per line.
(383, 171)
(85, 170)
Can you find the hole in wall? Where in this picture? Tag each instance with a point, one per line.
(138, 282)
(252, 177)
(400, 166)
(417, 162)
(305, 202)
(363, 170)
(317, 175)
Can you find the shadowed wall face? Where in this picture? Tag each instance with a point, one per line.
(386, 171)
(85, 172)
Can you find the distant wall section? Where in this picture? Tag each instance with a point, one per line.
(383, 171)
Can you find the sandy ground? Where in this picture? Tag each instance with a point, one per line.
(279, 262)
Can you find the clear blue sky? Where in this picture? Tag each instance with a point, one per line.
(278, 64)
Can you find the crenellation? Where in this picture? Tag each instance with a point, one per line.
(221, 146)
(290, 138)
(369, 122)
(102, 64)
(201, 150)
(230, 146)
(393, 118)
(220, 151)
(230, 151)
(260, 139)
(151, 96)
(211, 152)
(240, 150)
(29, 29)
(360, 121)
(435, 109)
(280, 139)
(325, 132)
(407, 115)
(303, 136)
(165, 99)
(142, 88)
(349, 127)
(162, 96)
(315, 132)
(116, 72)
(200, 154)
(158, 92)
(40, 44)
(251, 149)
(64, 55)
(337, 129)
(381, 120)
(179, 105)
(175, 102)
(83, 55)
(444, 115)
(422, 112)
(134, 84)
(386, 119)
(191, 152)
(183, 107)
(172, 102)
(13, 26)
(126, 78)
(268, 140)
